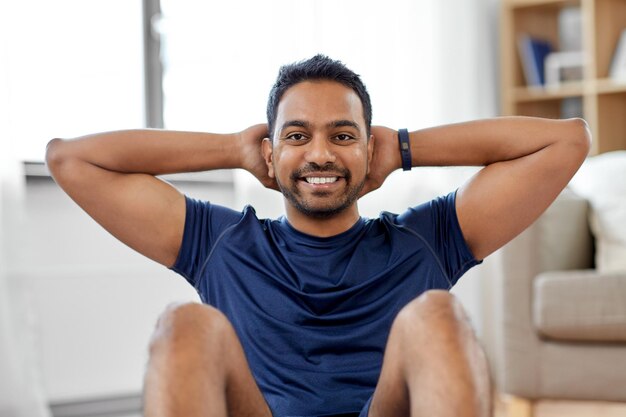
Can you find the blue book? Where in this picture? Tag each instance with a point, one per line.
(533, 53)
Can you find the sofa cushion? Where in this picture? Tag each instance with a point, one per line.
(580, 306)
(563, 235)
(601, 181)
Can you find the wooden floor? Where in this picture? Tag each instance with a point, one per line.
(514, 407)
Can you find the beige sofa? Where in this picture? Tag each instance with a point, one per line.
(563, 324)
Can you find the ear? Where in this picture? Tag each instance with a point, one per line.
(370, 152)
(268, 151)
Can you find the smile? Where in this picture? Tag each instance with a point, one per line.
(320, 180)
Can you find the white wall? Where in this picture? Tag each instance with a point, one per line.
(94, 301)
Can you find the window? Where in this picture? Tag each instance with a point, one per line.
(71, 67)
(75, 67)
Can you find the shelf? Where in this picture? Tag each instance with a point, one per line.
(600, 100)
(566, 90)
(541, 3)
(609, 85)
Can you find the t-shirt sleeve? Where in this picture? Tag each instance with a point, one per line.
(436, 222)
(204, 224)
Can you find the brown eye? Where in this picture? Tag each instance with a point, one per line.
(296, 136)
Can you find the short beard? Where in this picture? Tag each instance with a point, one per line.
(292, 194)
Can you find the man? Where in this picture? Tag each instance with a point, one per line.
(320, 312)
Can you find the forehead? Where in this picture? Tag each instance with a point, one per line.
(319, 101)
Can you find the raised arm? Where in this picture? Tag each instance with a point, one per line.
(112, 177)
(528, 161)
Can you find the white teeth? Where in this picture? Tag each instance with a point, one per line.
(320, 180)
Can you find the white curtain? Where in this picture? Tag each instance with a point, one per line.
(468, 31)
(468, 45)
(425, 63)
(221, 58)
(21, 393)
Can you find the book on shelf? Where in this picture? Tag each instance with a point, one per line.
(618, 63)
(533, 53)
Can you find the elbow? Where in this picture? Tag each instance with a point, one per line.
(55, 155)
(52, 152)
(579, 135)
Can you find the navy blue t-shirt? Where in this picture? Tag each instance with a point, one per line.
(313, 314)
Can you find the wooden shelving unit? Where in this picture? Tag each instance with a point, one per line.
(603, 99)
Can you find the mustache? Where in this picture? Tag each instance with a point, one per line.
(327, 167)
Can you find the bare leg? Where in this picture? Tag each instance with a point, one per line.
(433, 364)
(197, 367)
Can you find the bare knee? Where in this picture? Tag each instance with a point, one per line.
(434, 307)
(185, 322)
(433, 317)
(189, 360)
(434, 326)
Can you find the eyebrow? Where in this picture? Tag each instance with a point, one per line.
(296, 123)
(343, 123)
(306, 125)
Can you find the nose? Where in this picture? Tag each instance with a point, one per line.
(320, 151)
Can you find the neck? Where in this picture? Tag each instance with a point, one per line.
(322, 227)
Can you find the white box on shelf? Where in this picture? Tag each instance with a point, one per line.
(563, 67)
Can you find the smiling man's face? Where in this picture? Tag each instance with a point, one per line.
(320, 150)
